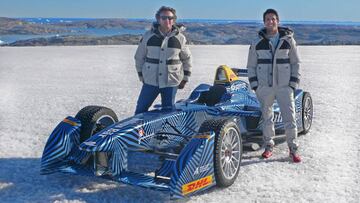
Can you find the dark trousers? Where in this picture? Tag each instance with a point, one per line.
(148, 95)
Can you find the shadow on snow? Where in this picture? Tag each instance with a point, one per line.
(20, 181)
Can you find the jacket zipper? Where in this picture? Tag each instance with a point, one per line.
(272, 61)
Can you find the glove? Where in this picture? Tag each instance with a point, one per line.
(182, 84)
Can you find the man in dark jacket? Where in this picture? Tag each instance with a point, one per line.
(273, 70)
(163, 61)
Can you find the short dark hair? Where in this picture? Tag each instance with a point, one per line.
(273, 11)
(165, 8)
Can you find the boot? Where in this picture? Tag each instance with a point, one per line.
(268, 152)
(295, 157)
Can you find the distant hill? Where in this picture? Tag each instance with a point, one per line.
(197, 32)
(10, 26)
(237, 33)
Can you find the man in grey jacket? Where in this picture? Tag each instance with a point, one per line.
(273, 71)
(163, 61)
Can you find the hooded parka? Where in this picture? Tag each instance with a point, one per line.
(163, 61)
(274, 68)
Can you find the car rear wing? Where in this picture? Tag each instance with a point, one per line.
(240, 72)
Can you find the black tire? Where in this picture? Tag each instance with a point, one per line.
(307, 112)
(222, 127)
(93, 119)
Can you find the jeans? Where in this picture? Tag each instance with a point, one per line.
(148, 95)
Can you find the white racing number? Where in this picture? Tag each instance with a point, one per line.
(202, 169)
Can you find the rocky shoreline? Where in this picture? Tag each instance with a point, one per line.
(79, 40)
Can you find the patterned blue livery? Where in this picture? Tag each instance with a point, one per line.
(162, 150)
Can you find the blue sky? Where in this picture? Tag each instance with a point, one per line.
(322, 10)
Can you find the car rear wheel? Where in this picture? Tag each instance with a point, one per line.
(307, 112)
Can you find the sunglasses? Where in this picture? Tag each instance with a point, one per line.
(167, 17)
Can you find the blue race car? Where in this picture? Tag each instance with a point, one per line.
(197, 145)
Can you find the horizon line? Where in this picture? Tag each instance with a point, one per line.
(185, 19)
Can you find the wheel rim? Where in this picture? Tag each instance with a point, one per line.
(307, 113)
(230, 153)
(100, 162)
(101, 123)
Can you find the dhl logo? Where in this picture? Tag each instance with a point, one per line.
(196, 185)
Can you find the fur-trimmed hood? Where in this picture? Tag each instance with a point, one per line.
(283, 31)
(177, 28)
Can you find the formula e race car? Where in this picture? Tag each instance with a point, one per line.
(197, 145)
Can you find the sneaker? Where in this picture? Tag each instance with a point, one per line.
(268, 152)
(295, 157)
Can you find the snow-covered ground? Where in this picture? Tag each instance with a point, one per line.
(39, 86)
